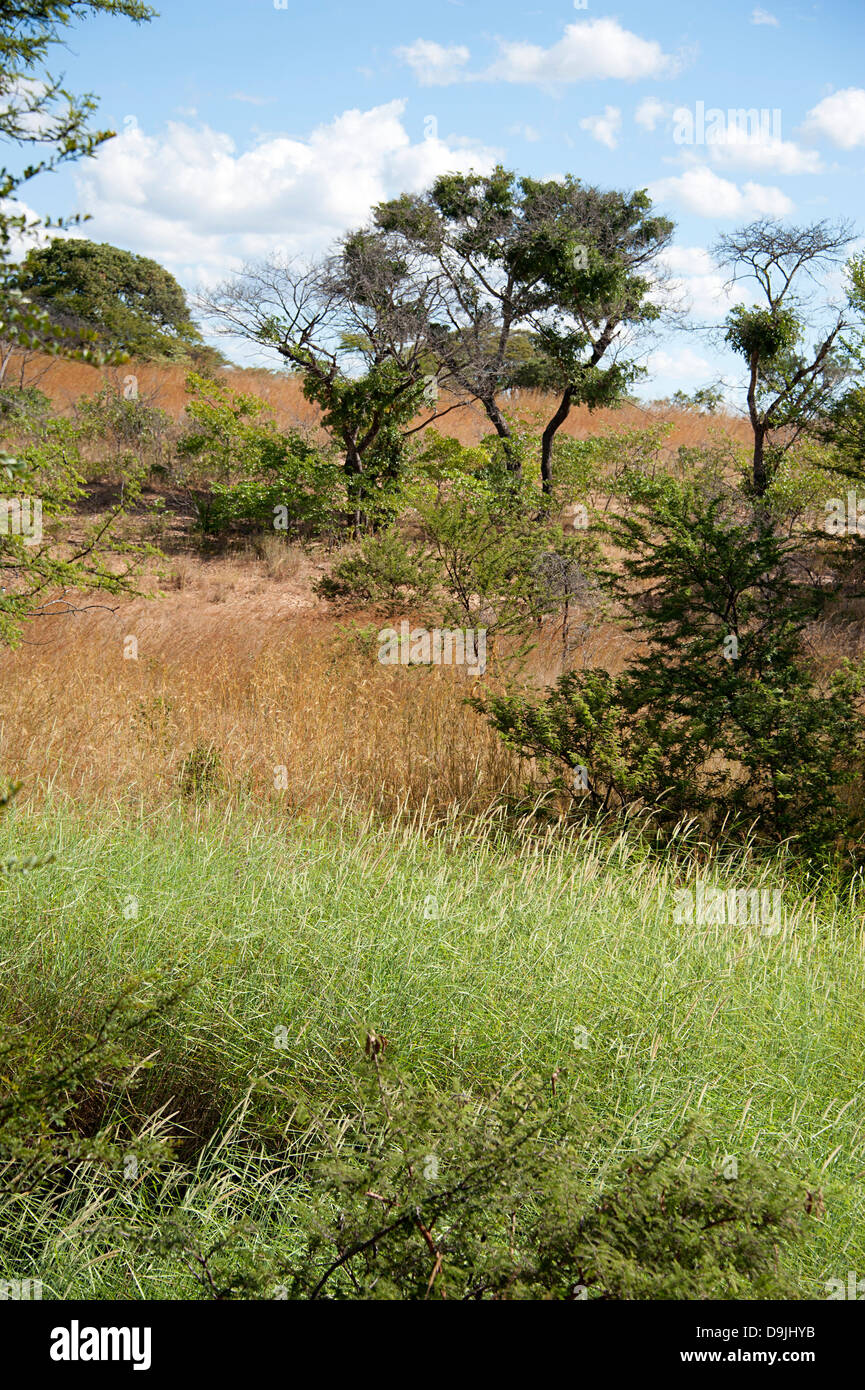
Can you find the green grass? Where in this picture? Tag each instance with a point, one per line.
(476, 957)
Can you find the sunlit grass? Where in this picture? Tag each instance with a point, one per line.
(477, 957)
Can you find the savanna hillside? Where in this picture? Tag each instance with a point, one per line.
(235, 647)
(279, 870)
(331, 969)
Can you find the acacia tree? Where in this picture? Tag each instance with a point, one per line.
(790, 387)
(569, 264)
(354, 326)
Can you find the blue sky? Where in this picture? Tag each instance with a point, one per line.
(245, 128)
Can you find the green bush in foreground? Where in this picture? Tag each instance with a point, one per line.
(446, 1197)
(420, 1194)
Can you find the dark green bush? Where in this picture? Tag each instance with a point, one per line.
(722, 716)
(458, 1198)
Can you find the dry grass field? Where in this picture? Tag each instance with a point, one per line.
(164, 386)
(236, 655)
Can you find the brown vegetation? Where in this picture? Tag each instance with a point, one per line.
(164, 386)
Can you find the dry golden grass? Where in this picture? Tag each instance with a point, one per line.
(264, 693)
(164, 386)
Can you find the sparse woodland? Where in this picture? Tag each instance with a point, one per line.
(328, 976)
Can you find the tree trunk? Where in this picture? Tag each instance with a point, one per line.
(354, 470)
(548, 438)
(759, 475)
(504, 433)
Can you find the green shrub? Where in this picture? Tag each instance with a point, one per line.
(721, 716)
(385, 569)
(247, 473)
(462, 1199)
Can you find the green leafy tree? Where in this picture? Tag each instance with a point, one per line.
(39, 116)
(353, 326)
(124, 302)
(721, 715)
(564, 263)
(52, 125)
(790, 387)
(723, 604)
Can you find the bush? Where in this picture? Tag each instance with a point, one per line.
(250, 475)
(201, 773)
(384, 570)
(721, 716)
(585, 724)
(460, 1199)
(22, 406)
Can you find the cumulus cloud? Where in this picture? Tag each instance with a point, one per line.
(24, 238)
(604, 128)
(705, 193)
(682, 364)
(840, 118)
(734, 147)
(433, 64)
(588, 51)
(696, 284)
(599, 48)
(196, 203)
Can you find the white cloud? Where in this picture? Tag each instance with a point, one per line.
(734, 147)
(33, 234)
(588, 51)
(704, 192)
(433, 64)
(250, 100)
(604, 128)
(697, 285)
(759, 16)
(683, 364)
(191, 200)
(840, 118)
(650, 112)
(599, 48)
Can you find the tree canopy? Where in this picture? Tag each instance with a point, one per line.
(130, 303)
(570, 264)
(51, 125)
